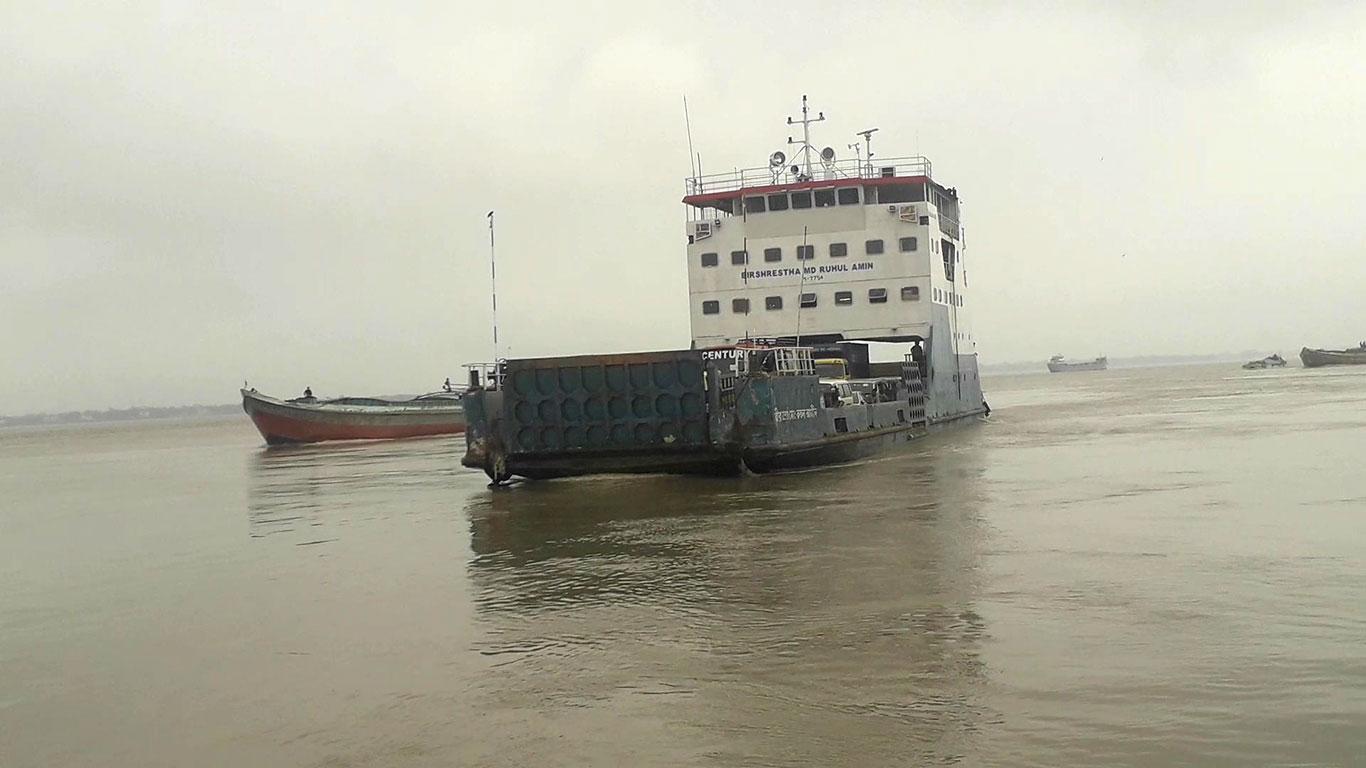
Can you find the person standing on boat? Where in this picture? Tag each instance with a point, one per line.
(308, 393)
(918, 357)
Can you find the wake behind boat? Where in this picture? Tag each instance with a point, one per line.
(310, 420)
(1313, 358)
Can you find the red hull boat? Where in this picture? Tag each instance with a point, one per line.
(309, 420)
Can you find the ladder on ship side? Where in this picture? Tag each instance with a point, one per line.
(915, 391)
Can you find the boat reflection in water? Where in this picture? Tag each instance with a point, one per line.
(295, 488)
(793, 616)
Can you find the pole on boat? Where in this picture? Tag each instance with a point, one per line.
(801, 286)
(493, 285)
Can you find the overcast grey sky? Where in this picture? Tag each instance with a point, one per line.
(194, 194)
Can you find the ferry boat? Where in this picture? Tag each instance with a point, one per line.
(788, 263)
(1060, 364)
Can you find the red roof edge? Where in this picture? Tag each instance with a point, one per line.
(710, 197)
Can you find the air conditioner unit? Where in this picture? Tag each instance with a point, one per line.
(891, 209)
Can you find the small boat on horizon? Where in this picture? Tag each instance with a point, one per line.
(308, 419)
(1313, 358)
(1060, 364)
(1270, 361)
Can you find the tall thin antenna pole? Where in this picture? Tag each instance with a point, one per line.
(801, 286)
(687, 122)
(493, 284)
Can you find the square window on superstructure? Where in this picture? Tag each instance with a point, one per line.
(808, 300)
(806, 252)
(773, 254)
(739, 257)
(755, 204)
(838, 250)
(825, 198)
(898, 193)
(739, 306)
(847, 195)
(908, 244)
(711, 307)
(773, 302)
(872, 247)
(877, 295)
(844, 298)
(777, 202)
(801, 199)
(709, 260)
(924, 221)
(910, 293)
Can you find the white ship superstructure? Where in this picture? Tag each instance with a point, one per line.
(828, 250)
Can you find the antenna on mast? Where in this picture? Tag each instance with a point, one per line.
(805, 122)
(868, 147)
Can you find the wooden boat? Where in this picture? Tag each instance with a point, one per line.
(1313, 358)
(310, 420)
(1270, 361)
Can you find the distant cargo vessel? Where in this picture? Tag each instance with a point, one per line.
(310, 420)
(1059, 364)
(788, 264)
(1313, 358)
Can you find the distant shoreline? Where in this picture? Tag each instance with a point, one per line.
(120, 415)
(153, 413)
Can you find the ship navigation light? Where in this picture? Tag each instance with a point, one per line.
(775, 165)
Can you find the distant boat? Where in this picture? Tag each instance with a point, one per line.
(1313, 358)
(1270, 361)
(1059, 364)
(309, 420)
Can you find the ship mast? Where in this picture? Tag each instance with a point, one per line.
(806, 122)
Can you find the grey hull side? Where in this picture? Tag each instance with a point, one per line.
(843, 449)
(1315, 358)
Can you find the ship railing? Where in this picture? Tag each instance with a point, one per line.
(487, 375)
(778, 361)
(834, 172)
